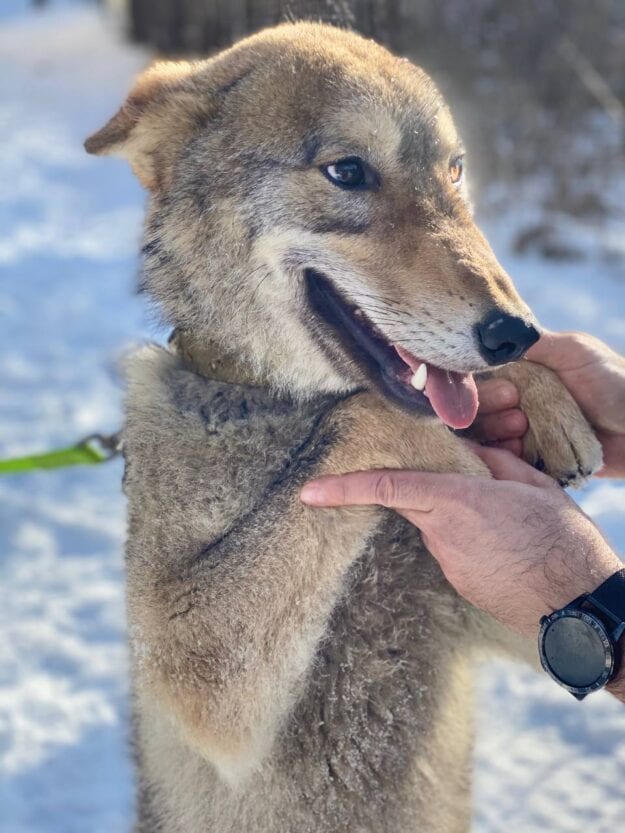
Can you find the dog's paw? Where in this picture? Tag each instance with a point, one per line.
(559, 441)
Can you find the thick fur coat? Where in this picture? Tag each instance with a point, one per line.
(294, 672)
(297, 670)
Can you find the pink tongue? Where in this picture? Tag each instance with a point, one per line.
(452, 395)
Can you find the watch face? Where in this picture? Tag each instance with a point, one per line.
(576, 650)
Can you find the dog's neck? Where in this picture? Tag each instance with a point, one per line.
(206, 358)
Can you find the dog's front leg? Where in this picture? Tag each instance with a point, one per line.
(226, 644)
(223, 635)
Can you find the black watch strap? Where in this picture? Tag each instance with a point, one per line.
(611, 595)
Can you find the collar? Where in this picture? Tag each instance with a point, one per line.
(207, 359)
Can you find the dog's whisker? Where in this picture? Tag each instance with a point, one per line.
(255, 292)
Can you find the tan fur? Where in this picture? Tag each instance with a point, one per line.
(244, 198)
(293, 669)
(226, 677)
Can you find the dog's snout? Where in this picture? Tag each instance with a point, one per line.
(504, 338)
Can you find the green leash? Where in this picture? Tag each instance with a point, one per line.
(90, 451)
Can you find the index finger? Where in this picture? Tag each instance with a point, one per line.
(394, 488)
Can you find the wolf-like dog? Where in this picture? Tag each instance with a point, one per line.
(309, 236)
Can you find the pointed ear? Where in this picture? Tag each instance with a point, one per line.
(164, 108)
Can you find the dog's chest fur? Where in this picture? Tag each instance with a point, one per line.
(361, 749)
(377, 692)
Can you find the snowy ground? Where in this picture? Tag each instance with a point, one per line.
(68, 234)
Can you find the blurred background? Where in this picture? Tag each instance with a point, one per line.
(538, 90)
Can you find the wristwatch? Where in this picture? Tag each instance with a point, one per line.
(579, 644)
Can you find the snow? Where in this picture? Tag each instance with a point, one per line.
(69, 228)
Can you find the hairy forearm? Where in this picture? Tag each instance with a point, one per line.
(590, 566)
(617, 686)
(577, 562)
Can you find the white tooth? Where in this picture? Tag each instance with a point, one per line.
(420, 377)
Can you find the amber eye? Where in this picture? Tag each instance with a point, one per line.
(456, 170)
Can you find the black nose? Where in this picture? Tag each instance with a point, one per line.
(504, 338)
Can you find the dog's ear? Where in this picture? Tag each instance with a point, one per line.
(163, 110)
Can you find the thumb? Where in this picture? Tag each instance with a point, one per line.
(552, 350)
(506, 466)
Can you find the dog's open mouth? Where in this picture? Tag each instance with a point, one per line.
(409, 381)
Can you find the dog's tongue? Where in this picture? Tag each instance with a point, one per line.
(452, 395)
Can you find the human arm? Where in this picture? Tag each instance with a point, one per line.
(517, 546)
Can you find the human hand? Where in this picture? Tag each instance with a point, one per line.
(517, 546)
(594, 375)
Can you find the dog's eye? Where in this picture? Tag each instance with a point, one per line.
(349, 173)
(456, 170)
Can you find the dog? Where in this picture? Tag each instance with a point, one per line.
(309, 236)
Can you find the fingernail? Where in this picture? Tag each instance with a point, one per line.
(312, 493)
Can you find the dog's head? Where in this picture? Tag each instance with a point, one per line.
(308, 209)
